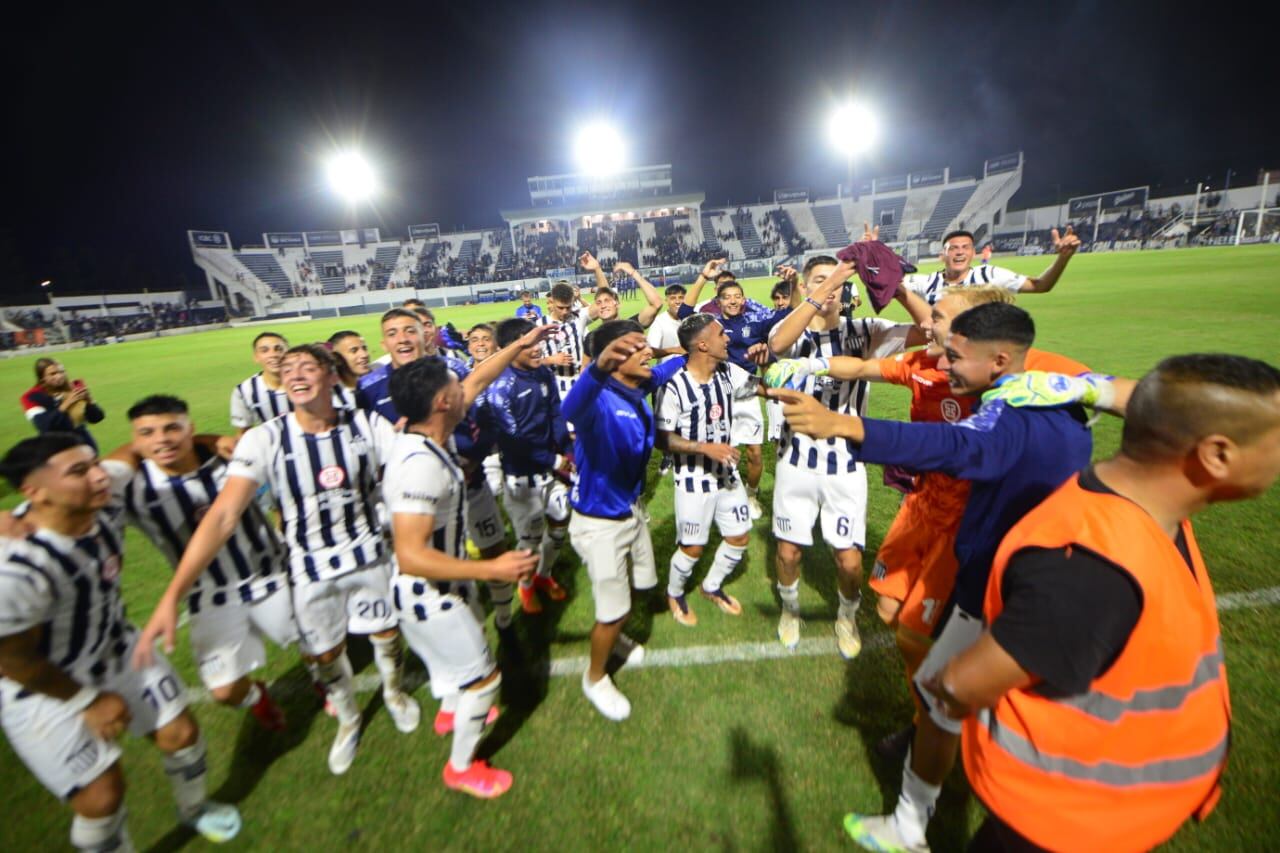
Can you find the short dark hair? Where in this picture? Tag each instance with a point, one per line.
(414, 387)
(723, 274)
(480, 327)
(691, 327)
(996, 321)
(817, 261)
(722, 286)
(782, 288)
(399, 312)
(511, 330)
(262, 335)
(610, 332)
(337, 337)
(673, 289)
(413, 304)
(424, 312)
(319, 352)
(32, 453)
(959, 232)
(607, 291)
(158, 404)
(43, 364)
(561, 292)
(1187, 397)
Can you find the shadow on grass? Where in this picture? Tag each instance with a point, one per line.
(755, 762)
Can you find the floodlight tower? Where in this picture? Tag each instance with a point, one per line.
(351, 177)
(599, 149)
(852, 130)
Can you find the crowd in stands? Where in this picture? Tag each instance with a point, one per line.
(94, 329)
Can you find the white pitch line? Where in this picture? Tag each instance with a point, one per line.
(687, 656)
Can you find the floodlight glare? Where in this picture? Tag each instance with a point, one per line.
(351, 176)
(853, 129)
(599, 149)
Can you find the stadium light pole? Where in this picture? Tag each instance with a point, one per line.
(852, 129)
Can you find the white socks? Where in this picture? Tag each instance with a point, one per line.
(339, 684)
(790, 596)
(187, 771)
(388, 654)
(468, 722)
(849, 606)
(722, 565)
(101, 833)
(549, 548)
(500, 594)
(681, 570)
(915, 805)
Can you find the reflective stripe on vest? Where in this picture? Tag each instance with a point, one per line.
(1110, 709)
(1166, 771)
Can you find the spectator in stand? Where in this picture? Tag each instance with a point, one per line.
(58, 404)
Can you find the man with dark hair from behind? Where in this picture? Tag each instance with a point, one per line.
(1014, 457)
(66, 697)
(1098, 601)
(616, 432)
(433, 590)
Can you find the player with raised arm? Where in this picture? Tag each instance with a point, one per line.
(243, 597)
(957, 256)
(611, 454)
(695, 417)
(823, 479)
(664, 332)
(67, 692)
(563, 351)
(521, 411)
(323, 465)
(654, 303)
(434, 590)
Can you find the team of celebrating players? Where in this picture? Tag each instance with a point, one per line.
(386, 480)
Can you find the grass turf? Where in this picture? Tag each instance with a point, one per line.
(752, 755)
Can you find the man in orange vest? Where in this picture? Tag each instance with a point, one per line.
(1108, 733)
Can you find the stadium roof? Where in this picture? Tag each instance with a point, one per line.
(600, 207)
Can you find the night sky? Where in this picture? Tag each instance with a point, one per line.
(126, 130)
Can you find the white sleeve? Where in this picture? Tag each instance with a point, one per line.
(917, 284)
(25, 597)
(241, 414)
(1008, 279)
(887, 337)
(252, 457)
(120, 474)
(744, 383)
(384, 437)
(668, 409)
(415, 485)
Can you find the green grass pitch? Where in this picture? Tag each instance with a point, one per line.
(751, 755)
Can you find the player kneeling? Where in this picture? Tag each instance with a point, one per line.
(60, 601)
(434, 592)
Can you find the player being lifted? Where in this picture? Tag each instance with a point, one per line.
(434, 590)
(243, 595)
(521, 411)
(323, 465)
(695, 414)
(957, 255)
(823, 479)
(68, 692)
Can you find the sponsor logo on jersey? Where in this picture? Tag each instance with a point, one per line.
(950, 410)
(111, 568)
(331, 477)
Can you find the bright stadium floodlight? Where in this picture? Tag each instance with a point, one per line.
(852, 129)
(599, 149)
(351, 177)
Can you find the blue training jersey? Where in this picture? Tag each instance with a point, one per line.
(520, 411)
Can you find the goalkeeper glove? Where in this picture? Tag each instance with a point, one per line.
(1045, 390)
(792, 372)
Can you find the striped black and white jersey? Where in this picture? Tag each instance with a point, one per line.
(423, 478)
(930, 287)
(253, 402)
(861, 337)
(326, 486)
(168, 509)
(568, 339)
(71, 586)
(703, 412)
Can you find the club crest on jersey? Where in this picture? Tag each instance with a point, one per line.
(950, 410)
(716, 412)
(111, 568)
(331, 477)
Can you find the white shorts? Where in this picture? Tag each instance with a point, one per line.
(532, 499)
(226, 641)
(450, 639)
(696, 510)
(50, 736)
(748, 423)
(604, 544)
(358, 601)
(484, 522)
(960, 631)
(800, 496)
(773, 408)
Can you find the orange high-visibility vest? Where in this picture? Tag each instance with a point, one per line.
(1123, 765)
